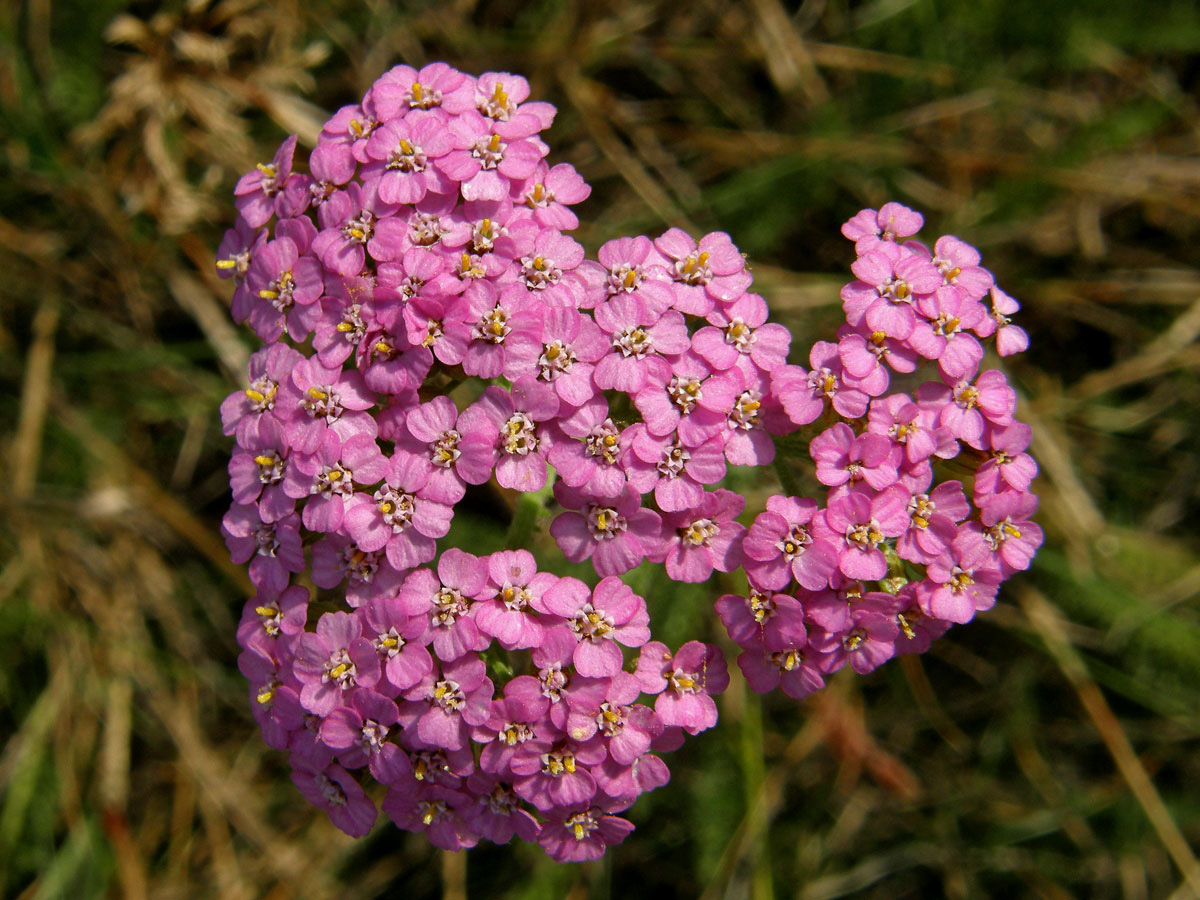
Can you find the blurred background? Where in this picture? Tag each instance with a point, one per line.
(1049, 749)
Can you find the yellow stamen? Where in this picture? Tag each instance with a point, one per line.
(339, 670)
(265, 611)
(268, 295)
(266, 695)
(317, 394)
(579, 832)
(226, 263)
(254, 395)
(416, 91)
(630, 278)
(494, 144)
(265, 460)
(357, 233)
(601, 521)
(344, 327)
(569, 764)
(268, 170)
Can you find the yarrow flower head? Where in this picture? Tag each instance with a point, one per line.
(429, 328)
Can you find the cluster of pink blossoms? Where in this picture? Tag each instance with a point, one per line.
(422, 259)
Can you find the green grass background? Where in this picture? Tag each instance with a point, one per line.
(1047, 750)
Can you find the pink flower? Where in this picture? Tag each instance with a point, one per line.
(582, 833)
(712, 270)
(335, 790)
(858, 523)
(614, 532)
(334, 660)
(781, 546)
(677, 474)
(595, 459)
(508, 422)
(892, 221)
(684, 683)
(763, 619)
(845, 458)
(510, 614)
(446, 600)
(257, 191)
(548, 193)
(961, 582)
(702, 538)
(890, 279)
(613, 614)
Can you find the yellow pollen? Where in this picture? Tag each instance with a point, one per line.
(751, 405)
(905, 627)
(552, 352)
(383, 347)
(265, 611)
(952, 324)
(791, 660)
(428, 817)
(703, 258)
(344, 327)
(268, 295)
(920, 521)
(953, 273)
(684, 682)
(878, 337)
(356, 127)
(485, 227)
(386, 507)
(630, 278)
(578, 827)
(790, 547)
(903, 291)
(539, 263)
(226, 263)
(569, 764)
(1012, 531)
(602, 521)
(265, 460)
(494, 144)
(267, 170)
(828, 383)
(406, 148)
(357, 233)
(499, 96)
(339, 670)
(611, 716)
(420, 770)
(416, 91)
(265, 695)
(254, 395)
(610, 440)
(689, 266)
(854, 641)
(538, 192)
(317, 394)
(389, 642)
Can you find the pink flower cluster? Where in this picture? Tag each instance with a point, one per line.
(428, 326)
